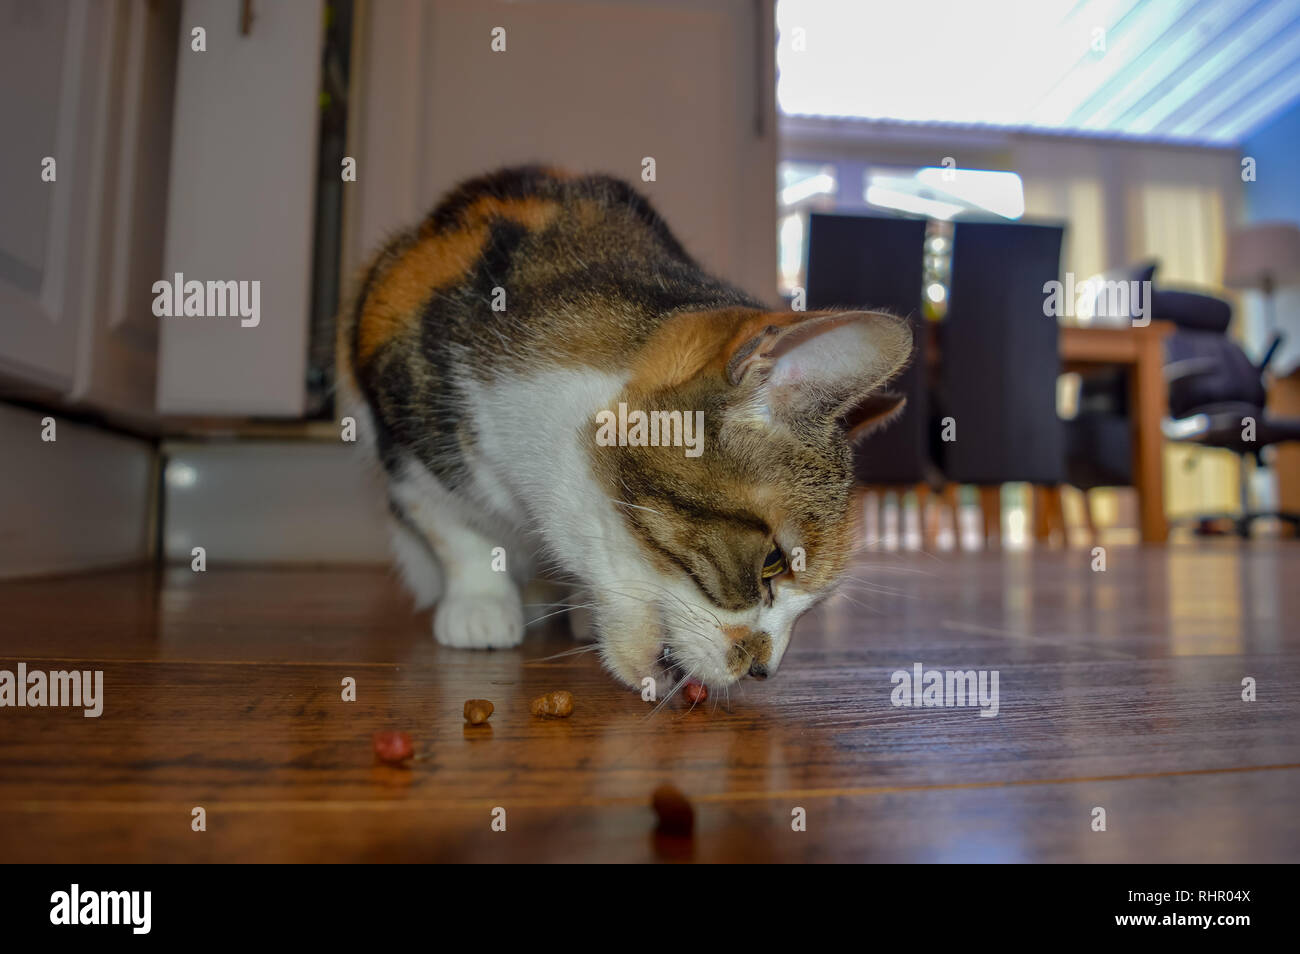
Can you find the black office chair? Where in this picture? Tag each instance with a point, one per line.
(1217, 396)
(1001, 356)
(858, 261)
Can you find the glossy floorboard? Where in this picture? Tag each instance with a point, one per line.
(1118, 689)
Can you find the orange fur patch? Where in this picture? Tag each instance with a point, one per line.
(683, 347)
(531, 213)
(690, 343)
(393, 305)
(435, 262)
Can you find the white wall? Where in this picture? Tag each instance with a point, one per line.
(593, 87)
(273, 502)
(80, 502)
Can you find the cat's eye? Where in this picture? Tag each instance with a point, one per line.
(774, 564)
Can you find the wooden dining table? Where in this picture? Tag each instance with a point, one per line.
(1139, 350)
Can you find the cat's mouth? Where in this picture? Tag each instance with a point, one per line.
(675, 672)
(689, 678)
(684, 680)
(670, 665)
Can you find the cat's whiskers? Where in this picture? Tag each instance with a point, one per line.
(687, 623)
(876, 588)
(558, 612)
(690, 606)
(672, 692)
(563, 602)
(624, 503)
(694, 608)
(844, 595)
(560, 655)
(893, 568)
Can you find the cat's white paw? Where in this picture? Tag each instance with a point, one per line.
(479, 622)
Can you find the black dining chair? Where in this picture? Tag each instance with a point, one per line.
(1001, 358)
(860, 261)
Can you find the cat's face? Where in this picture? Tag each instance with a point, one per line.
(742, 528)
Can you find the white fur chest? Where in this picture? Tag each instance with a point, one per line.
(532, 467)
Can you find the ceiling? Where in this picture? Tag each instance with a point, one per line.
(1194, 71)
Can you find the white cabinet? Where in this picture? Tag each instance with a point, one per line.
(174, 160)
(41, 48)
(243, 189)
(589, 86)
(89, 86)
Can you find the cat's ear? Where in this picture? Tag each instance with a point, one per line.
(823, 367)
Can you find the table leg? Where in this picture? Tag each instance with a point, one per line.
(991, 510)
(1087, 518)
(1149, 403)
(1042, 515)
(929, 527)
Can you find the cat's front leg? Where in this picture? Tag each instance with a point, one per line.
(479, 605)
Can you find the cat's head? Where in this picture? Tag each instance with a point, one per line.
(737, 531)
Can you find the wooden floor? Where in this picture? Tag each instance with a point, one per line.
(1119, 690)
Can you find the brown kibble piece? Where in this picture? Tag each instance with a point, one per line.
(392, 747)
(676, 815)
(695, 692)
(478, 711)
(557, 704)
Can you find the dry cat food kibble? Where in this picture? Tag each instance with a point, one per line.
(695, 691)
(676, 816)
(392, 747)
(557, 704)
(478, 711)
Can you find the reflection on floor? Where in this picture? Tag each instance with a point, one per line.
(973, 518)
(1118, 689)
(1019, 516)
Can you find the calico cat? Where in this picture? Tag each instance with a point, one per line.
(488, 355)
